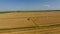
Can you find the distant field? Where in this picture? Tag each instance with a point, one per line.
(15, 20)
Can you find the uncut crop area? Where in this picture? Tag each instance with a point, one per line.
(30, 23)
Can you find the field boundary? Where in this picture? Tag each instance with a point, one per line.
(31, 27)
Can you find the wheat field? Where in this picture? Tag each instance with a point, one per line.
(30, 23)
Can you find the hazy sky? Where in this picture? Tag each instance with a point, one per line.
(6, 5)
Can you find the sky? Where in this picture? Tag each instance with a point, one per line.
(14, 5)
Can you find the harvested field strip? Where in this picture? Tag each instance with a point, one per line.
(30, 17)
(32, 27)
